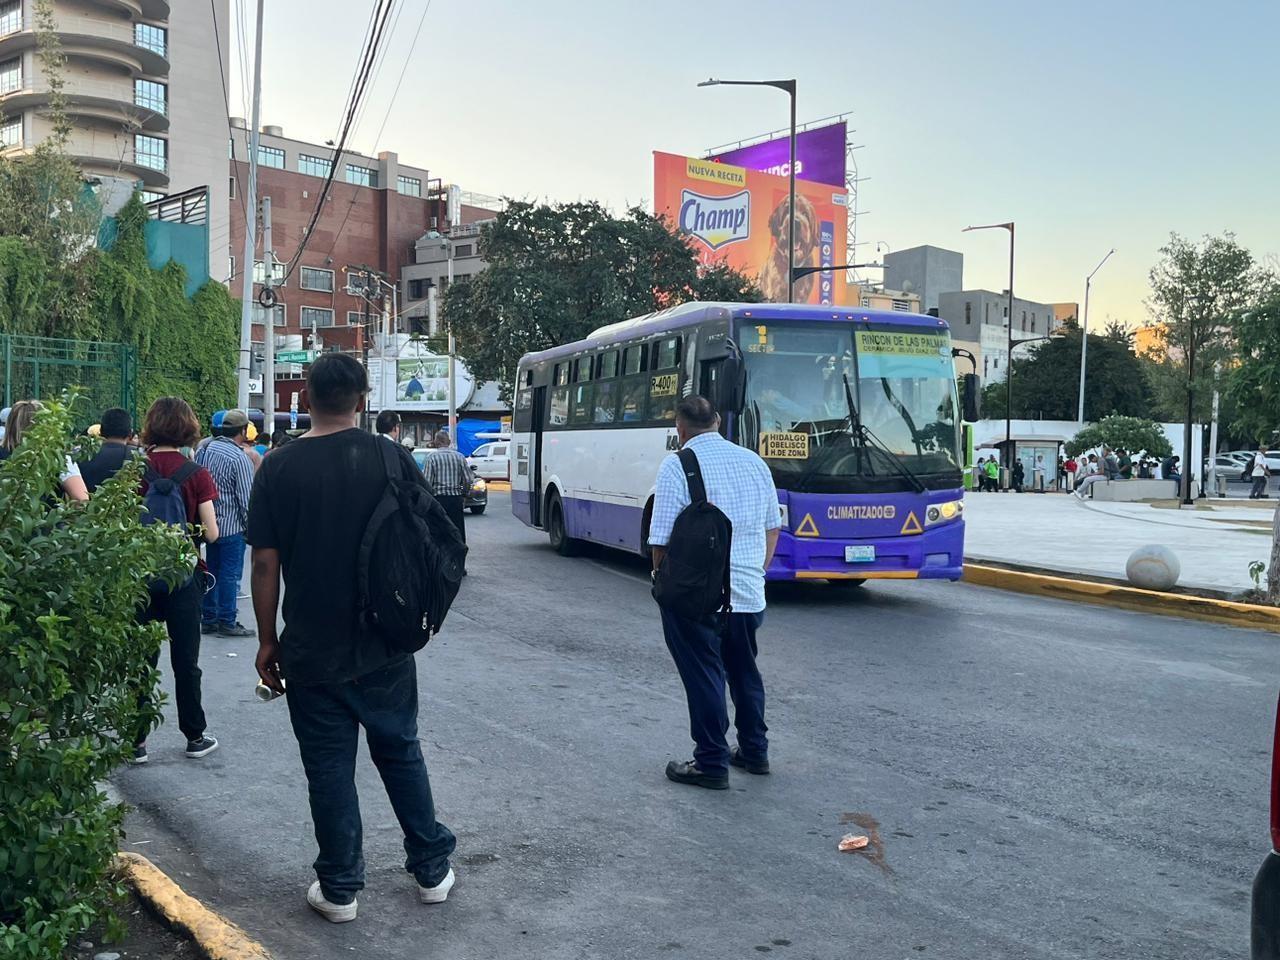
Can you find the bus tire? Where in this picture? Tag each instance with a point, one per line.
(561, 542)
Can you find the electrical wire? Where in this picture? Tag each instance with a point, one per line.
(226, 96)
(385, 117)
(359, 88)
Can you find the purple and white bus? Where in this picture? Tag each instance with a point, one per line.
(855, 412)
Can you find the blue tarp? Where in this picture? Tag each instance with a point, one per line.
(467, 430)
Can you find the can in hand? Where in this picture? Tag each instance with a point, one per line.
(265, 693)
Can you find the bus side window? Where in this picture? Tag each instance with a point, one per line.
(582, 369)
(562, 373)
(582, 404)
(633, 359)
(608, 365)
(666, 354)
(606, 401)
(664, 389)
(635, 393)
(558, 408)
(523, 418)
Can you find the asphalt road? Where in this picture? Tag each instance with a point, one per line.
(1040, 779)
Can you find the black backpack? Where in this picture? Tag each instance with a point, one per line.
(693, 578)
(163, 503)
(410, 563)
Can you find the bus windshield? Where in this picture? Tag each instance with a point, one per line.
(851, 408)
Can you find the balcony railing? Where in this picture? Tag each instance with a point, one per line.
(154, 60)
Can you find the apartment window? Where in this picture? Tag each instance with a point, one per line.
(315, 278)
(10, 17)
(1033, 323)
(260, 272)
(354, 318)
(11, 134)
(409, 186)
(152, 95)
(361, 176)
(270, 156)
(231, 185)
(418, 288)
(464, 250)
(11, 75)
(151, 196)
(231, 268)
(986, 311)
(314, 166)
(150, 152)
(155, 39)
(968, 312)
(260, 314)
(1024, 319)
(310, 317)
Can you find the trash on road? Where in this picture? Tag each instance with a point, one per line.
(851, 842)
(232, 654)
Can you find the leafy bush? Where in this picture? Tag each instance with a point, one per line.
(1122, 433)
(73, 662)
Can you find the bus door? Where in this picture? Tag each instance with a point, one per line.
(539, 414)
(713, 385)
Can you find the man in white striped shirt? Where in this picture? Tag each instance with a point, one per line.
(232, 472)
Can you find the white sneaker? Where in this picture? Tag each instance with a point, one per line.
(333, 912)
(439, 893)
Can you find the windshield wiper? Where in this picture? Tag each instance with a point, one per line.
(861, 434)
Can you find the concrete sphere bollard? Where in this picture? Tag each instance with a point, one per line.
(1153, 567)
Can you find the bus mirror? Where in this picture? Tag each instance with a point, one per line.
(735, 386)
(972, 398)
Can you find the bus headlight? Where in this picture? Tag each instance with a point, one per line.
(942, 512)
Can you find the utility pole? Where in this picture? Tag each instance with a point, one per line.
(251, 226)
(1084, 337)
(453, 381)
(269, 337)
(364, 335)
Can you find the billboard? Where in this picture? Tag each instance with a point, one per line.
(416, 380)
(739, 217)
(820, 155)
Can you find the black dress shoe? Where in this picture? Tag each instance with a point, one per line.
(686, 771)
(758, 767)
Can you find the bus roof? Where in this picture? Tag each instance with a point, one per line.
(688, 314)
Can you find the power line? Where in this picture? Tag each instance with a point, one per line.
(381, 14)
(385, 117)
(226, 96)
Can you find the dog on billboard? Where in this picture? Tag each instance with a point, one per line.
(773, 278)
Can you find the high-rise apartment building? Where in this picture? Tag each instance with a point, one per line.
(144, 93)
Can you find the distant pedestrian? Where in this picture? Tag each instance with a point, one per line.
(1171, 469)
(280, 438)
(993, 475)
(1125, 464)
(170, 425)
(21, 415)
(388, 425)
(312, 502)
(1069, 468)
(1019, 475)
(1259, 473)
(449, 477)
(232, 472)
(118, 448)
(718, 648)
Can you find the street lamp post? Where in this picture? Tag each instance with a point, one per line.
(790, 87)
(798, 272)
(1189, 319)
(1084, 334)
(1008, 366)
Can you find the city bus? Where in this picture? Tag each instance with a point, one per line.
(855, 411)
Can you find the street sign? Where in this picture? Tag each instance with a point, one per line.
(293, 411)
(295, 356)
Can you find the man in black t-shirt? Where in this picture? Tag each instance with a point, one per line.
(311, 502)
(116, 429)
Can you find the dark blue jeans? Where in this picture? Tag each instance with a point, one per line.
(225, 558)
(326, 719)
(709, 657)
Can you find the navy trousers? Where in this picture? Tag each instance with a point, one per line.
(326, 719)
(710, 658)
(225, 558)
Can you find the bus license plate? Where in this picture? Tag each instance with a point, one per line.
(860, 554)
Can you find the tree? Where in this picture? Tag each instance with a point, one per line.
(1133, 434)
(556, 272)
(1253, 383)
(1197, 291)
(1046, 378)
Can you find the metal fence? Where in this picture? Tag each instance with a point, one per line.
(40, 368)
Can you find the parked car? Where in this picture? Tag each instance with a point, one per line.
(477, 497)
(1230, 467)
(1265, 920)
(492, 460)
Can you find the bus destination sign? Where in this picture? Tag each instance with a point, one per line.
(901, 343)
(784, 446)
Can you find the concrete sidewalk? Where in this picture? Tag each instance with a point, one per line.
(1215, 542)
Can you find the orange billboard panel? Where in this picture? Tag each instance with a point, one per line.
(739, 217)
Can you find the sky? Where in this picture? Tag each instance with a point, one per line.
(1091, 125)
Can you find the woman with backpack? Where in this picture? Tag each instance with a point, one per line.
(178, 491)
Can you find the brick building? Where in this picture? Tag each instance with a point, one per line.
(376, 211)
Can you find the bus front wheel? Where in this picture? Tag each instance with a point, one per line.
(561, 542)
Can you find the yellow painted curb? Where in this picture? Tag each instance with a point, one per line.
(215, 937)
(1128, 598)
